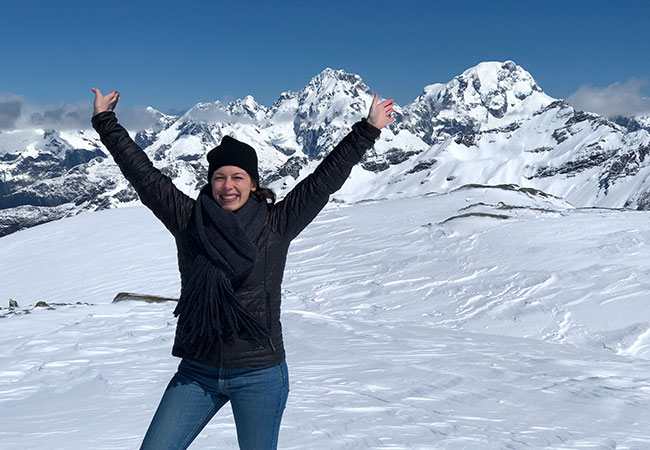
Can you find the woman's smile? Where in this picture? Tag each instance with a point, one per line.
(231, 187)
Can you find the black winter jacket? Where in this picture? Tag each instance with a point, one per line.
(260, 291)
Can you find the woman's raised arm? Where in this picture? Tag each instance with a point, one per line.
(308, 197)
(156, 191)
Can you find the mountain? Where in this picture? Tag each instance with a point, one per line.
(633, 123)
(490, 125)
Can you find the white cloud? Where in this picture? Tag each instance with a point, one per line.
(11, 107)
(617, 99)
(16, 113)
(64, 117)
(138, 118)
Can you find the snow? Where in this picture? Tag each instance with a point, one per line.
(29, 142)
(80, 139)
(426, 322)
(15, 140)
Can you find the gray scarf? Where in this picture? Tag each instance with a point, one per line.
(209, 312)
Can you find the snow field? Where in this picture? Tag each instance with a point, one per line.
(421, 323)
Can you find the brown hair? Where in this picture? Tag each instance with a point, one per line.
(264, 193)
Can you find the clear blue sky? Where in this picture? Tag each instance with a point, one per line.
(174, 54)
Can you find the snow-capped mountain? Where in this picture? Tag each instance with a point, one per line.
(490, 125)
(633, 123)
(49, 174)
(488, 96)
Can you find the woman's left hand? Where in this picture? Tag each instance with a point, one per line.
(379, 115)
(105, 102)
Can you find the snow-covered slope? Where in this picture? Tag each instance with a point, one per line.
(492, 124)
(483, 318)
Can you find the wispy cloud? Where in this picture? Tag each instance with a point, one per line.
(63, 117)
(617, 99)
(138, 118)
(11, 107)
(16, 113)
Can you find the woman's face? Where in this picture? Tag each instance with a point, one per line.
(231, 187)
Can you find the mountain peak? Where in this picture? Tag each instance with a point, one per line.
(247, 107)
(490, 76)
(330, 80)
(487, 93)
(336, 74)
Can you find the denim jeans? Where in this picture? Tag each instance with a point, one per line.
(196, 392)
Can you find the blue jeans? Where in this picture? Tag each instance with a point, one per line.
(196, 392)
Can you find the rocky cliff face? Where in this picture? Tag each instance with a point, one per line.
(490, 125)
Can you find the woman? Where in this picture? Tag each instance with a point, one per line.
(232, 246)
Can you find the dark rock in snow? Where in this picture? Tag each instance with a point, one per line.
(423, 165)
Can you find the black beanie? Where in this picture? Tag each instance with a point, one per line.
(232, 152)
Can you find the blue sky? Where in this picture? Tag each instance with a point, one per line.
(171, 55)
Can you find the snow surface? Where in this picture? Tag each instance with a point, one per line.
(484, 318)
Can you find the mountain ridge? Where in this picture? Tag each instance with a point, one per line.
(492, 124)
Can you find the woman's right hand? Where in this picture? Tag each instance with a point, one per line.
(105, 102)
(379, 115)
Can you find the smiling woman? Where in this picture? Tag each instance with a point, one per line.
(232, 246)
(232, 173)
(231, 187)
